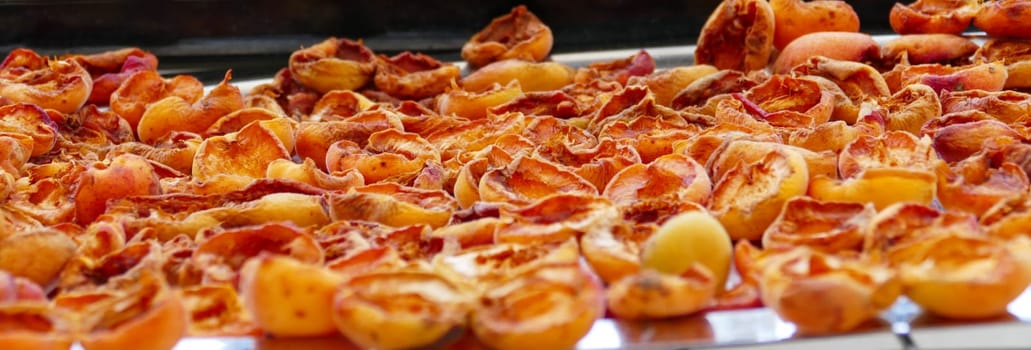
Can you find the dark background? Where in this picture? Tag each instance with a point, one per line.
(255, 37)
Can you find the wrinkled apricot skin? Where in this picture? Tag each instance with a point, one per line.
(1014, 53)
(846, 46)
(334, 64)
(738, 35)
(929, 48)
(388, 209)
(231, 155)
(821, 294)
(668, 83)
(904, 232)
(738, 152)
(721, 82)
(556, 103)
(28, 121)
(555, 219)
(390, 155)
(976, 188)
(216, 310)
(172, 317)
(15, 151)
(549, 307)
(414, 76)
(315, 138)
(933, 16)
(1005, 18)
(910, 108)
(823, 226)
(1008, 218)
(795, 18)
(674, 180)
(615, 254)
(240, 118)
(174, 113)
(654, 295)
(230, 249)
(518, 34)
(398, 311)
(472, 105)
(745, 206)
(619, 70)
(856, 80)
(339, 104)
(63, 85)
(959, 141)
(786, 97)
(480, 267)
(893, 149)
(148, 317)
(527, 179)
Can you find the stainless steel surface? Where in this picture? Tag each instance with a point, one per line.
(903, 326)
(1007, 331)
(1013, 335)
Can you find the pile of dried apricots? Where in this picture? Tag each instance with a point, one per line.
(396, 202)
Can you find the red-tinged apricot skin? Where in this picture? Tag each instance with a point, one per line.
(929, 48)
(988, 77)
(957, 142)
(13, 288)
(619, 70)
(127, 175)
(857, 47)
(106, 83)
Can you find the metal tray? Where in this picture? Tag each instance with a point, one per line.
(903, 326)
